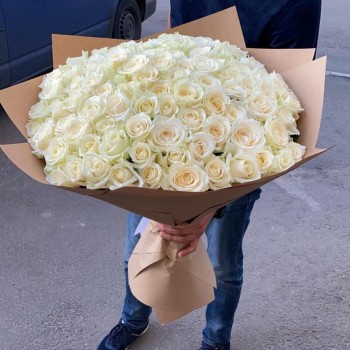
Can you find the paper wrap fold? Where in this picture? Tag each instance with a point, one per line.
(155, 273)
(176, 287)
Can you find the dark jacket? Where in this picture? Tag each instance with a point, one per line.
(265, 23)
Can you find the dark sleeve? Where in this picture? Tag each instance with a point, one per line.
(296, 25)
(183, 11)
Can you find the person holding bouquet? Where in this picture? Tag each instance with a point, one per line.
(265, 24)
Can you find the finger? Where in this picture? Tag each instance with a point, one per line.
(177, 232)
(168, 228)
(178, 239)
(189, 249)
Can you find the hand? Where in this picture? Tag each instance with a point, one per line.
(185, 233)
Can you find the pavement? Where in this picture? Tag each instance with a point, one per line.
(61, 254)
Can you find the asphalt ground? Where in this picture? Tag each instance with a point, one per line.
(61, 254)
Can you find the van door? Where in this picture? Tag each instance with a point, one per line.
(30, 23)
(4, 55)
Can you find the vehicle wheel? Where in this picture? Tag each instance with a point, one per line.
(127, 20)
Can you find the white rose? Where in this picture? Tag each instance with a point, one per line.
(58, 109)
(219, 176)
(73, 170)
(202, 41)
(118, 106)
(96, 170)
(75, 130)
(285, 97)
(151, 174)
(206, 80)
(51, 87)
(105, 89)
(276, 132)
(146, 104)
(297, 150)
(187, 177)
(117, 55)
(292, 103)
(39, 111)
(235, 111)
(42, 137)
(206, 64)
(92, 108)
(177, 54)
(104, 124)
(215, 101)
(161, 87)
(75, 99)
(201, 51)
(289, 120)
(261, 106)
(141, 154)
(249, 84)
(243, 167)
(94, 76)
(56, 151)
(138, 126)
(193, 118)
(167, 133)
(133, 91)
(201, 146)
(265, 160)
(229, 51)
(247, 134)
(57, 177)
(174, 41)
(89, 144)
(72, 70)
(267, 88)
(177, 73)
(145, 76)
(75, 82)
(230, 71)
(119, 80)
(122, 174)
(185, 64)
(62, 123)
(167, 105)
(129, 46)
(219, 128)
(162, 60)
(233, 89)
(187, 93)
(133, 64)
(114, 145)
(32, 127)
(283, 160)
(254, 65)
(98, 55)
(177, 155)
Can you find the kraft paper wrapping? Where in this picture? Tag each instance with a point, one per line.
(152, 264)
(173, 287)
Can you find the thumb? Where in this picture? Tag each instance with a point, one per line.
(189, 249)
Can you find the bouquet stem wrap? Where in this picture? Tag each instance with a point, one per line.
(171, 286)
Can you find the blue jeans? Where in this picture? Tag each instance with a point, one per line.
(225, 237)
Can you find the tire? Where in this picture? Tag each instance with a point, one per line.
(127, 20)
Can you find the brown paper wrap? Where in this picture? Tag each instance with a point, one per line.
(155, 273)
(184, 284)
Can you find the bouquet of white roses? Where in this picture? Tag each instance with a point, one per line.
(183, 113)
(176, 112)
